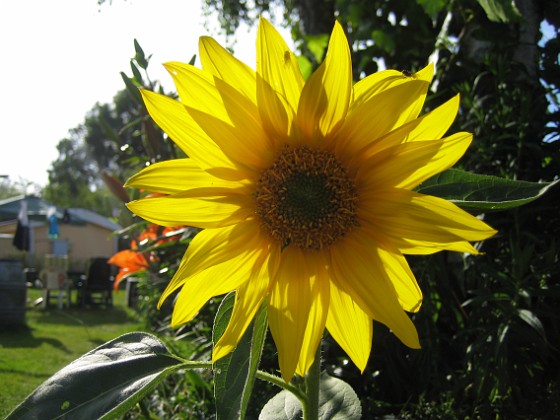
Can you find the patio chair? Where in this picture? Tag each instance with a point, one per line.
(55, 281)
(97, 285)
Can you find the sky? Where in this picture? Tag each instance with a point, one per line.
(59, 57)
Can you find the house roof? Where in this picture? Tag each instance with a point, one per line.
(37, 211)
(92, 217)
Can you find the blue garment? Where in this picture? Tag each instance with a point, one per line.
(53, 227)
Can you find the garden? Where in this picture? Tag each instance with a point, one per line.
(269, 213)
(51, 338)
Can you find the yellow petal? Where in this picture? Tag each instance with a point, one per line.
(297, 309)
(410, 219)
(208, 211)
(248, 299)
(277, 65)
(275, 112)
(417, 161)
(359, 271)
(435, 123)
(279, 83)
(430, 126)
(173, 176)
(394, 164)
(229, 118)
(426, 247)
(172, 118)
(326, 95)
(316, 321)
(219, 62)
(395, 267)
(425, 75)
(214, 246)
(211, 247)
(401, 277)
(451, 150)
(350, 326)
(381, 114)
(376, 83)
(214, 281)
(246, 148)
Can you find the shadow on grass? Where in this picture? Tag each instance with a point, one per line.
(25, 373)
(84, 316)
(23, 338)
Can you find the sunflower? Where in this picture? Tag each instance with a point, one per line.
(304, 191)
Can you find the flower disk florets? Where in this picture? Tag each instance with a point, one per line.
(306, 198)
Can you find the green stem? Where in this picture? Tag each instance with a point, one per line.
(312, 381)
(308, 394)
(192, 364)
(265, 376)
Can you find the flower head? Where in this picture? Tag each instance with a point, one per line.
(304, 190)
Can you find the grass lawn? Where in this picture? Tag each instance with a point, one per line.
(51, 339)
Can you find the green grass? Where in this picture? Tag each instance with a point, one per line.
(51, 339)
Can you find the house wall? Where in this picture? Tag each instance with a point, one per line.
(84, 242)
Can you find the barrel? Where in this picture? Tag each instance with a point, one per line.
(13, 293)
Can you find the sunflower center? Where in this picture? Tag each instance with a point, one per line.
(306, 198)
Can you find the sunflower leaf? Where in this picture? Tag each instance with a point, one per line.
(483, 193)
(107, 381)
(136, 73)
(234, 374)
(260, 327)
(337, 401)
(140, 57)
(132, 88)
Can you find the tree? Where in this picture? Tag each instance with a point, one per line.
(96, 146)
(10, 187)
(73, 178)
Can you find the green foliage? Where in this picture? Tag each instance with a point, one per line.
(511, 300)
(234, 374)
(432, 7)
(231, 13)
(500, 10)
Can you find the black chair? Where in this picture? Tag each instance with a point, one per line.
(97, 285)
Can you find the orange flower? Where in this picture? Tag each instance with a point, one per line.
(129, 262)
